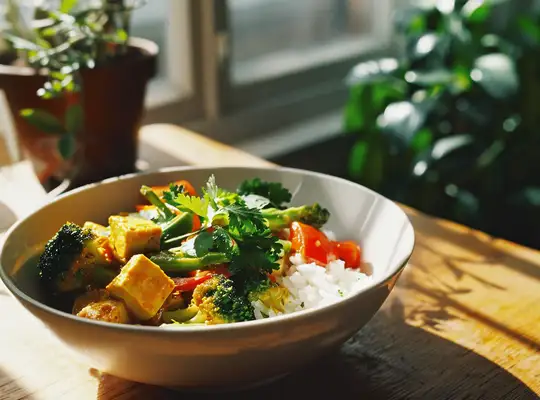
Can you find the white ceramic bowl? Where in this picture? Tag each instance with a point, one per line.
(229, 355)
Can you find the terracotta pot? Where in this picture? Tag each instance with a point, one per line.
(113, 102)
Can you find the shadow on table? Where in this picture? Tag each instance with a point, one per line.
(388, 359)
(475, 249)
(475, 242)
(11, 389)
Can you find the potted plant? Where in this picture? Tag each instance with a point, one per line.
(76, 81)
(451, 126)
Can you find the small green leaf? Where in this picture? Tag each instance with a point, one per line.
(21, 43)
(67, 5)
(532, 195)
(122, 35)
(401, 120)
(194, 204)
(354, 114)
(446, 145)
(417, 24)
(366, 161)
(374, 168)
(385, 93)
(529, 28)
(497, 74)
(430, 78)
(74, 118)
(476, 11)
(422, 140)
(43, 120)
(426, 44)
(203, 243)
(49, 31)
(372, 71)
(66, 145)
(357, 159)
(490, 154)
(119, 37)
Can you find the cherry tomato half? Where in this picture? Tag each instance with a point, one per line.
(349, 252)
(311, 243)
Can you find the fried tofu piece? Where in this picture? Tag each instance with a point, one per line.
(132, 235)
(97, 229)
(143, 286)
(109, 310)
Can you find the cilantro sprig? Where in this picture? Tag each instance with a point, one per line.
(239, 231)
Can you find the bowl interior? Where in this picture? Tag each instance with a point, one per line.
(379, 225)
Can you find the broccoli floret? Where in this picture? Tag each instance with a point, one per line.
(313, 215)
(219, 301)
(75, 257)
(269, 293)
(276, 194)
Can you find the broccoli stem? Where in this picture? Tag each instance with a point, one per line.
(179, 263)
(154, 199)
(313, 215)
(174, 225)
(287, 245)
(180, 315)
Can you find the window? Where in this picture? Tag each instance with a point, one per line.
(233, 69)
(280, 62)
(169, 24)
(273, 38)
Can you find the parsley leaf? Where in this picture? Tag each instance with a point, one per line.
(223, 242)
(257, 250)
(273, 191)
(194, 204)
(203, 243)
(174, 191)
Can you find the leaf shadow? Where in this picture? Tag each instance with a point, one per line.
(387, 359)
(11, 389)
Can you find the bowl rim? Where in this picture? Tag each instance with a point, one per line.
(392, 272)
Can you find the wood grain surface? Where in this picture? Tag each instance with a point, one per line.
(462, 323)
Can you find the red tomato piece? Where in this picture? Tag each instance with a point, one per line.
(188, 188)
(196, 223)
(349, 252)
(190, 283)
(311, 243)
(221, 270)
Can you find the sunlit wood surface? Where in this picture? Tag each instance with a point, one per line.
(462, 323)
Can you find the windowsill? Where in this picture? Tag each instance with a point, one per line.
(162, 92)
(287, 140)
(278, 64)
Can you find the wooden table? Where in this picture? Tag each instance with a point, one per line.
(462, 323)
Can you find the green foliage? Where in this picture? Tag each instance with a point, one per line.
(273, 191)
(43, 120)
(48, 123)
(62, 42)
(451, 126)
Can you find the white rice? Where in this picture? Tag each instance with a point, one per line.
(312, 286)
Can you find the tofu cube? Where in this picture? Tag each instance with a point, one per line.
(143, 287)
(106, 310)
(132, 235)
(97, 229)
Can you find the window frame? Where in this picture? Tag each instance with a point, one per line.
(176, 98)
(233, 113)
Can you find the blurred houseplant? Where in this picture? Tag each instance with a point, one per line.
(76, 83)
(452, 126)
